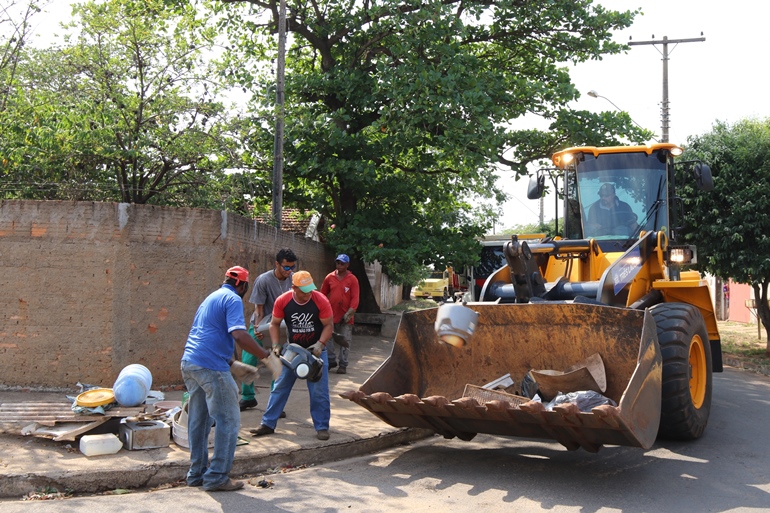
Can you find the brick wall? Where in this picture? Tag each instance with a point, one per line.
(88, 288)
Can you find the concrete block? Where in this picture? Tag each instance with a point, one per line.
(149, 434)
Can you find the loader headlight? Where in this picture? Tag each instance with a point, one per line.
(683, 255)
(676, 151)
(455, 324)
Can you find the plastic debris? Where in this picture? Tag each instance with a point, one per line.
(585, 400)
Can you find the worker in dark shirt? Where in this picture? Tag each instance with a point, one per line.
(609, 215)
(310, 324)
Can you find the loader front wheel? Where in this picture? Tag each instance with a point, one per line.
(686, 353)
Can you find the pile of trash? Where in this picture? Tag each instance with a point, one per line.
(146, 420)
(581, 384)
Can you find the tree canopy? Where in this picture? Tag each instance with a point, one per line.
(128, 109)
(398, 113)
(730, 225)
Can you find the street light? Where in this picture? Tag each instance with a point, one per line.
(594, 94)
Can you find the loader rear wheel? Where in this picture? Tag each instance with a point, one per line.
(686, 352)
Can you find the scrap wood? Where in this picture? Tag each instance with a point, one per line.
(50, 413)
(66, 431)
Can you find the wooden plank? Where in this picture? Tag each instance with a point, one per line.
(66, 432)
(56, 412)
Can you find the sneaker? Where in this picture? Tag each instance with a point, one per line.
(261, 431)
(227, 486)
(322, 435)
(282, 415)
(342, 370)
(332, 365)
(247, 403)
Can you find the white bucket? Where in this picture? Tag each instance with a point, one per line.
(133, 385)
(179, 430)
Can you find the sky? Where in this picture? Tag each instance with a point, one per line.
(721, 78)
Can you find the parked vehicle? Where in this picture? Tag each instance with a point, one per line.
(436, 286)
(443, 285)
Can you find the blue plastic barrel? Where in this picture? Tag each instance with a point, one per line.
(132, 385)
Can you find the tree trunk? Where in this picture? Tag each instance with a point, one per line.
(367, 302)
(763, 310)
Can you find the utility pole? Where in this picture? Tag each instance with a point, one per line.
(664, 108)
(542, 209)
(279, 118)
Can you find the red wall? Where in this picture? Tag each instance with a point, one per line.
(739, 293)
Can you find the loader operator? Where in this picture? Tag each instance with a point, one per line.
(609, 215)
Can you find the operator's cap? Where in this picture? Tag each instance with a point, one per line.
(303, 280)
(606, 189)
(342, 257)
(239, 273)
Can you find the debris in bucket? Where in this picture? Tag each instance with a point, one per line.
(529, 386)
(504, 382)
(587, 374)
(483, 396)
(585, 400)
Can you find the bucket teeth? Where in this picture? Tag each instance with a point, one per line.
(565, 423)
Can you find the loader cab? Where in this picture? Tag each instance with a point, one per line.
(615, 195)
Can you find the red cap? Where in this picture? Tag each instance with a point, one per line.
(239, 273)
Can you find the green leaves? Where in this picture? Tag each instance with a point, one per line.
(398, 113)
(730, 224)
(127, 112)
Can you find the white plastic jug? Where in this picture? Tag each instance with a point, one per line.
(133, 385)
(96, 445)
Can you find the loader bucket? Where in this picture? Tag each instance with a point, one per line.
(423, 381)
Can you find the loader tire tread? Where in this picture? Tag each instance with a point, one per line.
(677, 325)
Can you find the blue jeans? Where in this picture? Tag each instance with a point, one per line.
(320, 407)
(213, 398)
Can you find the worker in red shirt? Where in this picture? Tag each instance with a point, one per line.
(341, 287)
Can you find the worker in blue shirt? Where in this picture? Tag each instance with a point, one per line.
(208, 368)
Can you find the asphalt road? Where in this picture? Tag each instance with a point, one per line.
(726, 470)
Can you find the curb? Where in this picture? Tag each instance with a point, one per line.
(742, 364)
(149, 476)
(327, 453)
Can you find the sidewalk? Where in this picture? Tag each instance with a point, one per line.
(33, 463)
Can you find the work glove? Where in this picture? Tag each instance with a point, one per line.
(244, 372)
(274, 365)
(316, 348)
(348, 315)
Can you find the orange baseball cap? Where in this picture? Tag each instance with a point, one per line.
(239, 273)
(303, 280)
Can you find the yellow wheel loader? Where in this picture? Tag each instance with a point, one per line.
(596, 337)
